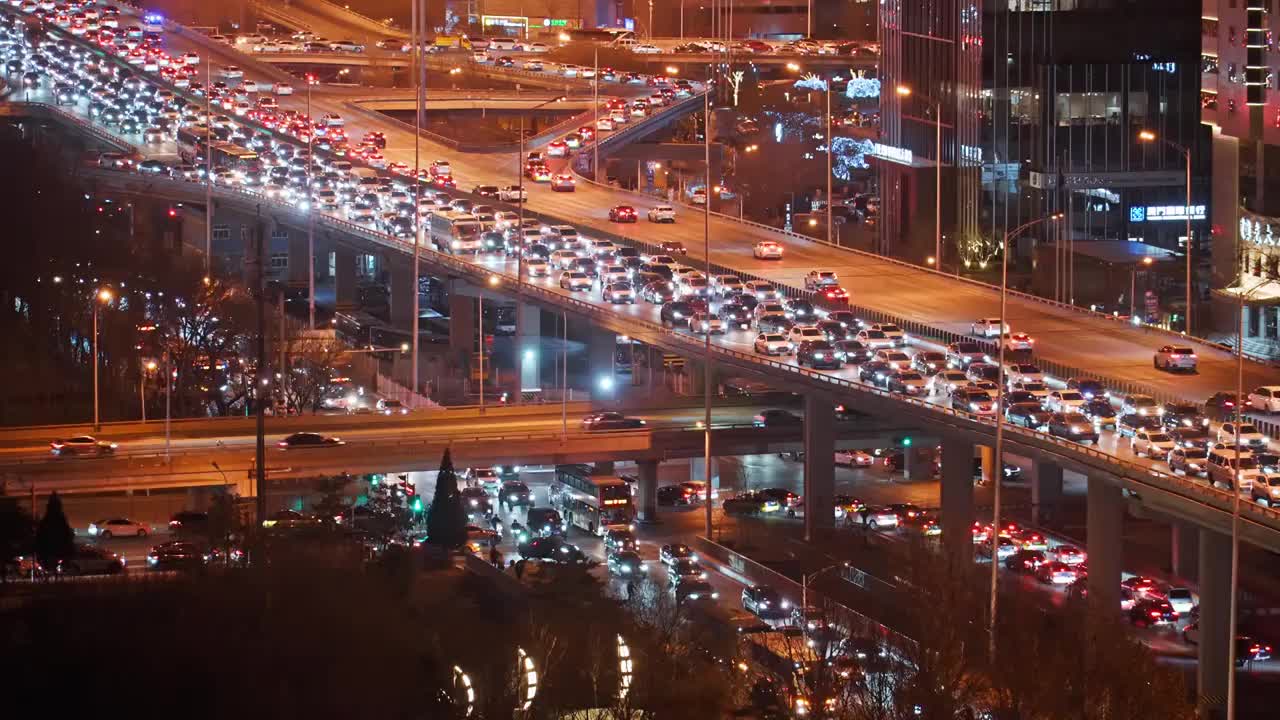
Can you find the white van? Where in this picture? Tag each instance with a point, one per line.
(502, 43)
(1221, 464)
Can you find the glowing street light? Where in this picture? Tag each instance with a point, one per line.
(103, 297)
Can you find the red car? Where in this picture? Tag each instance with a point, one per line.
(623, 214)
(444, 181)
(587, 132)
(836, 293)
(537, 172)
(563, 182)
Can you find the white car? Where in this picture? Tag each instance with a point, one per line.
(117, 527)
(575, 281)
(563, 258)
(875, 339)
(769, 309)
(513, 193)
(947, 381)
(537, 267)
(772, 344)
(1018, 342)
(1175, 357)
(607, 124)
(1152, 443)
(1023, 372)
(988, 327)
(706, 323)
(250, 86)
(762, 290)
(767, 250)
(805, 333)
(1265, 399)
(617, 292)
(602, 247)
(231, 72)
(854, 458)
(662, 214)
(1250, 438)
(82, 445)
(614, 273)
(895, 359)
(1064, 401)
(818, 279)
(726, 285)
(646, 49)
(891, 331)
(1035, 387)
(346, 46)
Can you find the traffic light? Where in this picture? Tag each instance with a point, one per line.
(904, 441)
(416, 505)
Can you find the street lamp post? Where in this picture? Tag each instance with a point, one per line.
(311, 224)
(1133, 285)
(101, 297)
(208, 172)
(999, 449)
(1149, 136)
(706, 348)
(143, 369)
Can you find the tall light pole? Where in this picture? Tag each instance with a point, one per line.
(1149, 136)
(493, 282)
(417, 67)
(1133, 285)
(208, 172)
(905, 91)
(595, 107)
(100, 298)
(830, 140)
(706, 347)
(999, 450)
(143, 369)
(311, 223)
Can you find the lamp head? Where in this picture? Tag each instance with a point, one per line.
(903, 90)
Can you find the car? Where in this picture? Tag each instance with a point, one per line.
(1175, 358)
(1183, 415)
(676, 551)
(773, 344)
(662, 214)
(875, 339)
(302, 440)
(895, 359)
(988, 327)
(625, 563)
(1265, 399)
(764, 602)
(1065, 401)
(854, 458)
(1181, 599)
(658, 292)
(1073, 426)
(117, 527)
(1100, 413)
(875, 372)
(1068, 555)
(1055, 572)
(774, 417)
(514, 494)
(563, 182)
(750, 503)
(1028, 415)
(817, 354)
(176, 554)
(575, 280)
(1192, 461)
(1018, 342)
(1023, 373)
(818, 279)
(1151, 443)
(91, 560)
(761, 290)
(947, 382)
(878, 518)
(684, 569)
(929, 362)
(513, 194)
(1026, 561)
(677, 313)
(617, 293)
(767, 250)
(186, 523)
(611, 421)
(694, 590)
(1150, 612)
(623, 214)
(706, 323)
(804, 333)
(960, 354)
(552, 548)
(673, 495)
(1250, 437)
(82, 445)
(1137, 404)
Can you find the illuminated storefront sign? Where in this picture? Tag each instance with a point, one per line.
(512, 21)
(1156, 213)
(1257, 231)
(899, 155)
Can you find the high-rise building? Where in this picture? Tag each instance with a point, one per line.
(1239, 101)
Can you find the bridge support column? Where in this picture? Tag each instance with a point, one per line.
(402, 291)
(344, 278)
(957, 499)
(1185, 546)
(299, 258)
(1215, 622)
(917, 462)
(601, 345)
(528, 348)
(987, 462)
(1104, 523)
(819, 465)
(1046, 491)
(647, 490)
(462, 323)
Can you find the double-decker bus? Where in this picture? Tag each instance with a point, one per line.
(594, 503)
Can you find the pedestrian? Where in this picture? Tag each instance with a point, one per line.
(519, 569)
(865, 514)
(631, 589)
(495, 556)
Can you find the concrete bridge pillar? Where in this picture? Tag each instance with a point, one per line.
(601, 345)
(528, 347)
(957, 499)
(462, 323)
(647, 491)
(1185, 546)
(1046, 491)
(1215, 622)
(917, 462)
(299, 258)
(1104, 526)
(344, 278)
(819, 464)
(987, 461)
(402, 292)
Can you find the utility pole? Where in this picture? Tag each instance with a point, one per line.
(415, 65)
(260, 374)
(706, 348)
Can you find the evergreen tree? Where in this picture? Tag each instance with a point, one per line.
(16, 527)
(446, 520)
(55, 540)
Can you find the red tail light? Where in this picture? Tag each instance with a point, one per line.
(1155, 613)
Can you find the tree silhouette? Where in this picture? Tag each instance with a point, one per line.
(446, 520)
(55, 540)
(16, 526)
